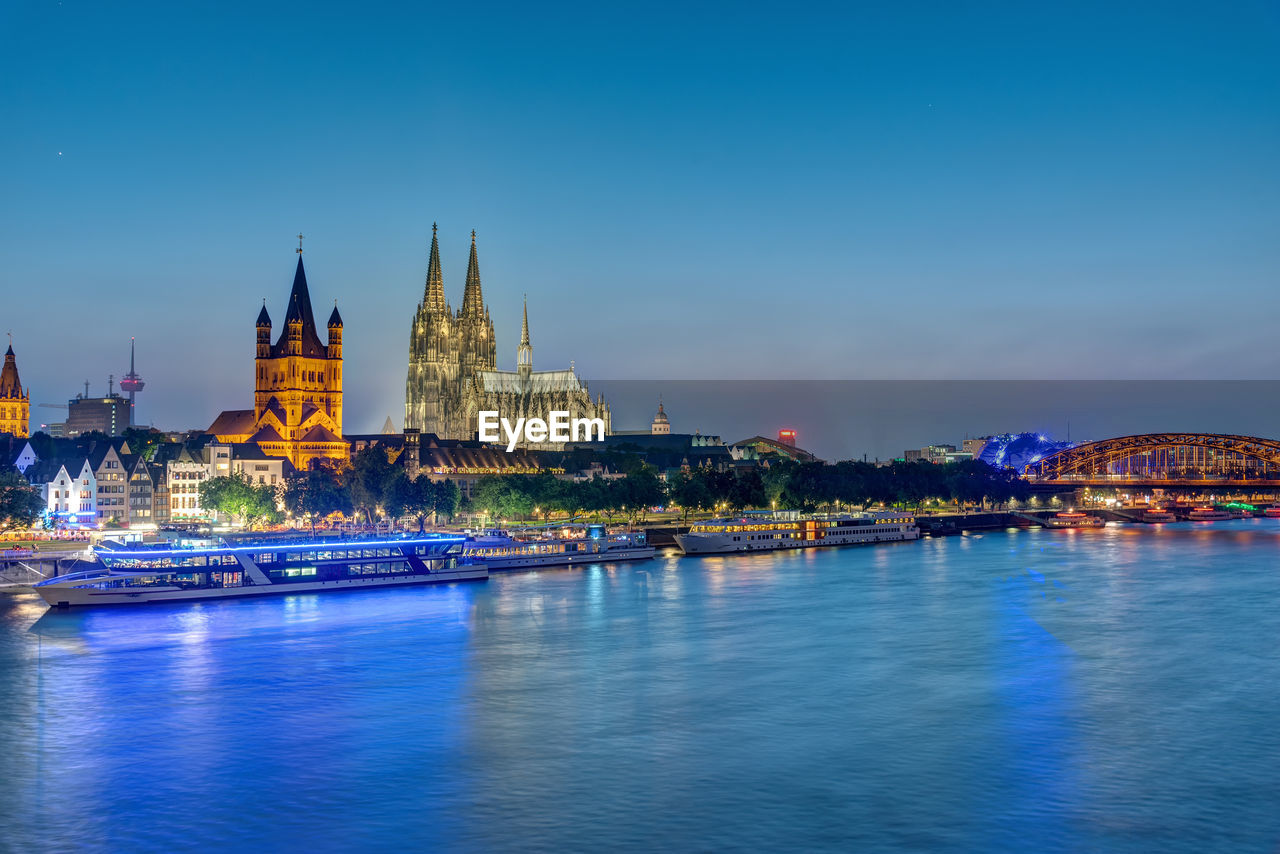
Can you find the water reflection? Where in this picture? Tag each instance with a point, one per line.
(1079, 690)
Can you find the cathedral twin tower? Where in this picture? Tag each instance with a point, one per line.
(453, 360)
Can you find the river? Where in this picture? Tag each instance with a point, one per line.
(1106, 690)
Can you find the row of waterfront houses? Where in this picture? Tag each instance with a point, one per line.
(101, 482)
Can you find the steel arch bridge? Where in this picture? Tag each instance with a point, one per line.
(1164, 459)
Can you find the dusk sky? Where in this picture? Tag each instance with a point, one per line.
(743, 191)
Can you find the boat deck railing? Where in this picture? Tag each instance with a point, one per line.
(116, 549)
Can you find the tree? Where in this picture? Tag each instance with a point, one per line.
(316, 493)
(448, 497)
(398, 496)
(488, 495)
(747, 490)
(641, 490)
(417, 497)
(689, 490)
(20, 502)
(239, 497)
(369, 478)
(143, 440)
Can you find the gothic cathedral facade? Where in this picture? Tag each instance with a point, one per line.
(453, 372)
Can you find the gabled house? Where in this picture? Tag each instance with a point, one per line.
(140, 490)
(113, 486)
(69, 489)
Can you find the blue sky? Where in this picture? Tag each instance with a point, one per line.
(886, 190)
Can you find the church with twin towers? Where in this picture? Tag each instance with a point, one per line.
(453, 373)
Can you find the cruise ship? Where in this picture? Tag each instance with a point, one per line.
(1208, 514)
(792, 530)
(1074, 519)
(128, 574)
(562, 546)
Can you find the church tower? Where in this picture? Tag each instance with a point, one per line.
(297, 399)
(15, 403)
(661, 423)
(479, 349)
(433, 353)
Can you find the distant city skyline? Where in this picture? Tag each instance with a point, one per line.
(710, 193)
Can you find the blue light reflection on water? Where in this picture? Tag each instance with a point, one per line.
(1068, 690)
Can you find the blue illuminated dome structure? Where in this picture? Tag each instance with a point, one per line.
(1019, 450)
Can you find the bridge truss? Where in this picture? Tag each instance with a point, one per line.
(1191, 458)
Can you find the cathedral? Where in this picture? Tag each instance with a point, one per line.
(453, 372)
(15, 404)
(297, 399)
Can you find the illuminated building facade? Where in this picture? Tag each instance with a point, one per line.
(297, 401)
(661, 423)
(453, 372)
(15, 403)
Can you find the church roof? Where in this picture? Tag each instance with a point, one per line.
(10, 385)
(266, 434)
(232, 422)
(299, 309)
(335, 319)
(321, 433)
(536, 382)
(264, 319)
(277, 409)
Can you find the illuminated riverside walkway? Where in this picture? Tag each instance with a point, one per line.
(1165, 460)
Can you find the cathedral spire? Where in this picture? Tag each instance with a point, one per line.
(433, 300)
(472, 298)
(298, 311)
(524, 354)
(300, 298)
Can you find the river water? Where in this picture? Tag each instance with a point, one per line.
(1113, 690)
